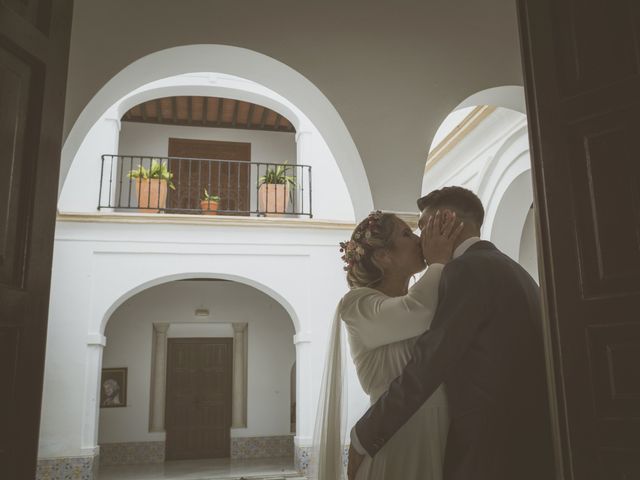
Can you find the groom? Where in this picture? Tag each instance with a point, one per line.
(485, 344)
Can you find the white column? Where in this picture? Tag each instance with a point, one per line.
(93, 371)
(110, 170)
(303, 157)
(305, 403)
(238, 410)
(159, 376)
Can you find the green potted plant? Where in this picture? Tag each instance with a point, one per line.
(275, 189)
(209, 203)
(151, 185)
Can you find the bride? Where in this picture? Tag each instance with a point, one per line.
(383, 317)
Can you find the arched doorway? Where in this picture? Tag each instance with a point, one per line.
(207, 361)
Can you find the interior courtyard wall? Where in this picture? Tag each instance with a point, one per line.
(99, 265)
(428, 50)
(271, 352)
(84, 178)
(329, 193)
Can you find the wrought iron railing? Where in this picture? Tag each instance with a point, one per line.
(204, 186)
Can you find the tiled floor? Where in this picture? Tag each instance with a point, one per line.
(219, 469)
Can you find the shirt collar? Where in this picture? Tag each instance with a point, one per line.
(464, 246)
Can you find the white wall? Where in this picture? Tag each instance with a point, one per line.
(99, 264)
(147, 139)
(84, 177)
(270, 356)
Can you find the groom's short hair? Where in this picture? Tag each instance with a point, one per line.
(464, 202)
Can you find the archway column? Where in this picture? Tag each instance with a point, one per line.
(305, 405)
(303, 157)
(239, 395)
(93, 370)
(159, 376)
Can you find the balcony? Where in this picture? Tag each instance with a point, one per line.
(197, 186)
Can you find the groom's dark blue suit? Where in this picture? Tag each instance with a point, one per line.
(485, 344)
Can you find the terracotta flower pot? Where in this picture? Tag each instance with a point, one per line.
(151, 194)
(274, 198)
(209, 207)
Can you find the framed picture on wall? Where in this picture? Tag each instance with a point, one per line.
(113, 388)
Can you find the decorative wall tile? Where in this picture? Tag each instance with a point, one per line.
(67, 468)
(302, 459)
(131, 453)
(262, 447)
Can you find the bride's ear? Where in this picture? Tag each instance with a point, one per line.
(381, 256)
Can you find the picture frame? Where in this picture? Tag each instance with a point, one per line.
(113, 388)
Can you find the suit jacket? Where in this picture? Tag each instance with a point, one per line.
(485, 344)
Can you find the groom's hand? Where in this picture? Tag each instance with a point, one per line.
(355, 459)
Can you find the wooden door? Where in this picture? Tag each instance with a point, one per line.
(582, 77)
(230, 181)
(34, 47)
(198, 409)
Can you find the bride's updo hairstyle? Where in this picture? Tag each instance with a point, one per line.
(371, 234)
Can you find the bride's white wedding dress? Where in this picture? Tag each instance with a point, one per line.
(381, 332)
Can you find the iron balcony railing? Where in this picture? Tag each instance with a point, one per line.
(204, 186)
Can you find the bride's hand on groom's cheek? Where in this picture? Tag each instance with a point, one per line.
(355, 459)
(439, 236)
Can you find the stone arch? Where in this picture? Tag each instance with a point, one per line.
(505, 188)
(245, 64)
(189, 275)
(506, 96)
(92, 420)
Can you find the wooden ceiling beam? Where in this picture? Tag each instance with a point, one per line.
(219, 119)
(236, 107)
(174, 106)
(250, 115)
(139, 113)
(264, 117)
(205, 110)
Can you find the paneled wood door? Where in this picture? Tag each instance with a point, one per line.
(34, 47)
(230, 181)
(582, 77)
(198, 409)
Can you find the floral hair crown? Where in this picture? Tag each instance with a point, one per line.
(355, 248)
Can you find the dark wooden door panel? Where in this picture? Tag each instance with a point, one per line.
(17, 160)
(582, 76)
(198, 414)
(35, 12)
(34, 47)
(229, 181)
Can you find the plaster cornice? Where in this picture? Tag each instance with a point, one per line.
(210, 220)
